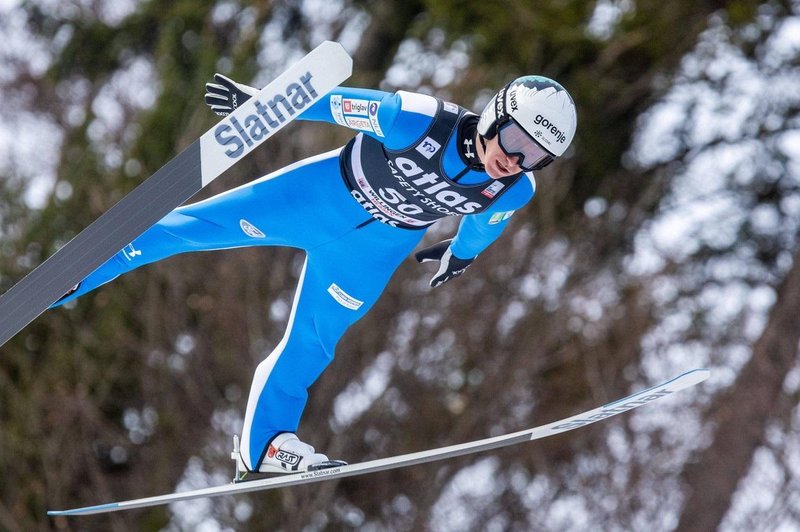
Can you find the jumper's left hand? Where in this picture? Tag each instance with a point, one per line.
(226, 95)
(450, 266)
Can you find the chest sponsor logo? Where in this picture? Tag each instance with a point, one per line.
(412, 193)
(492, 190)
(418, 188)
(450, 108)
(428, 147)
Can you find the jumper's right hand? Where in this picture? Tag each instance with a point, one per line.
(450, 266)
(226, 95)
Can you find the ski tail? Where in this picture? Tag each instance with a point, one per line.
(274, 106)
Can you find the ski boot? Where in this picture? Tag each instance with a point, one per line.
(285, 454)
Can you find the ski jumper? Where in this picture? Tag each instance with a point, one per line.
(357, 212)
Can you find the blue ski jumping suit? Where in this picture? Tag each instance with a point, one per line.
(357, 212)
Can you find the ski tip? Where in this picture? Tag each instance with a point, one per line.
(85, 511)
(696, 376)
(687, 379)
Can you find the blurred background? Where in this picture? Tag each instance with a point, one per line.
(666, 239)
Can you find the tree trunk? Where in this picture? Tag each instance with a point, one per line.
(743, 412)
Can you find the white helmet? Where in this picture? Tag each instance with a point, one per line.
(541, 107)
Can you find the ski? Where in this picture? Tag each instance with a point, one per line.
(238, 134)
(635, 400)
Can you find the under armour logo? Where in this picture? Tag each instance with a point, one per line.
(131, 252)
(468, 148)
(251, 230)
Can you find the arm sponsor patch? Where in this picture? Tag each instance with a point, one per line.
(336, 109)
(500, 217)
(358, 122)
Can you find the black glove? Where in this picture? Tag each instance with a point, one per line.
(450, 266)
(226, 95)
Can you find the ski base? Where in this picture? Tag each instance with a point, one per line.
(635, 400)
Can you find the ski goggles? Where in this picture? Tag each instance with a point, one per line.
(515, 141)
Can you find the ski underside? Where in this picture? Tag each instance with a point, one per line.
(635, 400)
